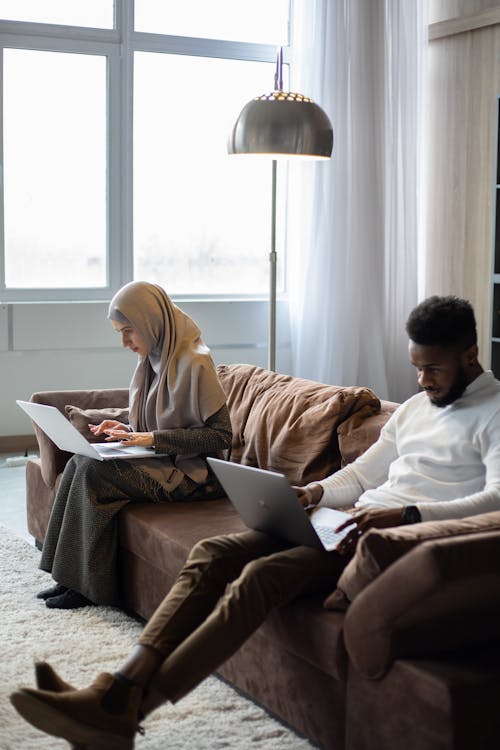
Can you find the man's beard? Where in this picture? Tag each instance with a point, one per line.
(455, 391)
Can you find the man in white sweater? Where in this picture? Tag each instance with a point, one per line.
(437, 457)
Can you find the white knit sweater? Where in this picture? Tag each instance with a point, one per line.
(444, 460)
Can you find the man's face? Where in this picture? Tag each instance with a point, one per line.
(441, 371)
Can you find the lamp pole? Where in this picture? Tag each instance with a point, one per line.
(272, 273)
(278, 86)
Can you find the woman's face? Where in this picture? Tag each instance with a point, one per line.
(131, 338)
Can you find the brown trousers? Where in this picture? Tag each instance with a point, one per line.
(202, 621)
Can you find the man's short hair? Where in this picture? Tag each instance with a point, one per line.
(443, 321)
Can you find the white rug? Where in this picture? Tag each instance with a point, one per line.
(81, 643)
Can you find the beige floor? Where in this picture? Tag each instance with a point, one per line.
(13, 497)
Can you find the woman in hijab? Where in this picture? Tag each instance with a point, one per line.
(176, 406)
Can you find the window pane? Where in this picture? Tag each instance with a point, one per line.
(201, 217)
(54, 169)
(95, 13)
(262, 21)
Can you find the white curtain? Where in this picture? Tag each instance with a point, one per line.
(354, 221)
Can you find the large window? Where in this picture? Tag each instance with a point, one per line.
(54, 143)
(114, 146)
(262, 21)
(199, 216)
(97, 13)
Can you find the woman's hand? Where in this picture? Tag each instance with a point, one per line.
(142, 439)
(104, 427)
(309, 495)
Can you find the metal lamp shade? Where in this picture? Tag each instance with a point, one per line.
(287, 125)
(282, 124)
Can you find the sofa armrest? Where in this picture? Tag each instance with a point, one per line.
(52, 459)
(443, 595)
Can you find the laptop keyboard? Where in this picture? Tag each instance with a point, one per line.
(329, 536)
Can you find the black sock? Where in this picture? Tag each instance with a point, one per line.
(116, 699)
(126, 680)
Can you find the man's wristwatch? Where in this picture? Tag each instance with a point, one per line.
(411, 514)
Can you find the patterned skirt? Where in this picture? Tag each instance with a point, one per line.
(80, 547)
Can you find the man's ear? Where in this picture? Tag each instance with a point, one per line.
(469, 356)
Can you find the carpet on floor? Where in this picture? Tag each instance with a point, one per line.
(81, 643)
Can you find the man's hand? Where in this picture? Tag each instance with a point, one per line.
(368, 519)
(309, 495)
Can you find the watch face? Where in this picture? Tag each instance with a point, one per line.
(411, 514)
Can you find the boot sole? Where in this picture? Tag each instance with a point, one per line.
(58, 724)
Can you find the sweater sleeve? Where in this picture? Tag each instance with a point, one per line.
(340, 490)
(368, 471)
(487, 499)
(215, 435)
(480, 502)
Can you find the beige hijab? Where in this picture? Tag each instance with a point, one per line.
(176, 385)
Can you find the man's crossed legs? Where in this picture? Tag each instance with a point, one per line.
(226, 589)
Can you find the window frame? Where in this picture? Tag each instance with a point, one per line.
(118, 45)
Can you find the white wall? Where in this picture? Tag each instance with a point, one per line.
(61, 346)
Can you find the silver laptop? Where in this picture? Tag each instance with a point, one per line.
(266, 502)
(65, 435)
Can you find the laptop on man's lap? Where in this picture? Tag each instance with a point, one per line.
(267, 502)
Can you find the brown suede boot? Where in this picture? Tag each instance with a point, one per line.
(48, 679)
(103, 716)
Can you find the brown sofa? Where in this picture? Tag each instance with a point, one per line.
(414, 660)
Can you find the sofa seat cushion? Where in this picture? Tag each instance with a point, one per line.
(289, 424)
(305, 629)
(161, 533)
(155, 540)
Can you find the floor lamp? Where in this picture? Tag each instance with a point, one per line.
(280, 125)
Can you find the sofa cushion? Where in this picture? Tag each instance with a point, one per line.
(52, 459)
(302, 629)
(360, 430)
(81, 418)
(161, 535)
(289, 424)
(379, 548)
